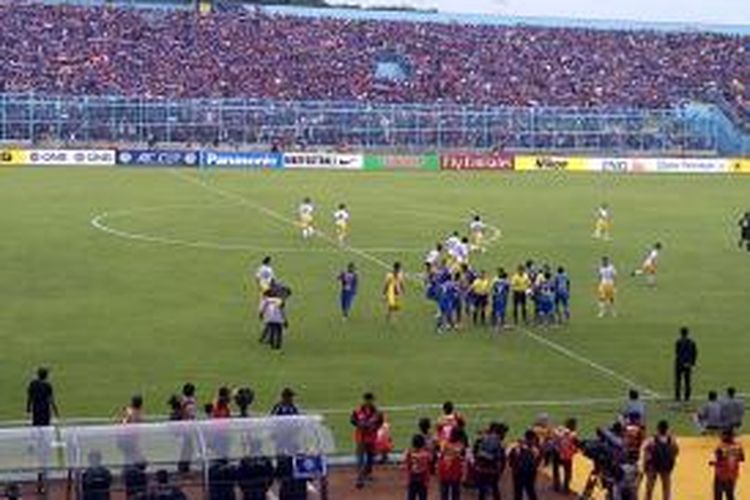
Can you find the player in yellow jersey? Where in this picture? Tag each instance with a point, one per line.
(393, 290)
(648, 268)
(306, 214)
(341, 221)
(480, 290)
(603, 224)
(607, 290)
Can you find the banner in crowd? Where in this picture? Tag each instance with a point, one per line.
(402, 162)
(336, 161)
(254, 159)
(70, 157)
(476, 161)
(13, 157)
(157, 158)
(553, 163)
(740, 166)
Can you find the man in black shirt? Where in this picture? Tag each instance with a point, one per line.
(285, 407)
(40, 400)
(686, 354)
(744, 224)
(97, 479)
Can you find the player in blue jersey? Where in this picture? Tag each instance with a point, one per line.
(561, 287)
(349, 282)
(500, 290)
(545, 300)
(449, 303)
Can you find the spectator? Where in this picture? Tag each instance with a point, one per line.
(659, 458)
(633, 434)
(565, 448)
(221, 479)
(221, 406)
(709, 416)
(489, 461)
(425, 430)
(285, 406)
(418, 464)
(524, 460)
(136, 481)
(449, 420)
(290, 487)
(450, 465)
(133, 413)
(366, 421)
(243, 398)
(686, 355)
(728, 457)
(634, 408)
(732, 409)
(96, 479)
(175, 408)
(40, 399)
(163, 490)
(188, 402)
(255, 474)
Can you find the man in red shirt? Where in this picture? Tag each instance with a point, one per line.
(728, 457)
(418, 463)
(366, 421)
(450, 466)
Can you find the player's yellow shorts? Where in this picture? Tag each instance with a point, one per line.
(648, 268)
(342, 227)
(602, 226)
(305, 221)
(393, 300)
(606, 292)
(477, 239)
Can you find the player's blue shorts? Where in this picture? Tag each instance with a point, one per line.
(347, 299)
(562, 300)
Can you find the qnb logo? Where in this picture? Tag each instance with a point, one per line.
(48, 157)
(614, 165)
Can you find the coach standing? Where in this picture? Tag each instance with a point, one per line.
(686, 354)
(40, 400)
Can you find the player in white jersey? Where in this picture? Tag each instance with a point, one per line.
(434, 256)
(306, 214)
(477, 229)
(451, 241)
(459, 254)
(648, 268)
(341, 220)
(603, 223)
(264, 275)
(607, 277)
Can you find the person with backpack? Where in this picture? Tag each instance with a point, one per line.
(489, 461)
(728, 457)
(565, 441)
(418, 465)
(524, 460)
(659, 458)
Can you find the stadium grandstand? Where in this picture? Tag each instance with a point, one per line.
(443, 323)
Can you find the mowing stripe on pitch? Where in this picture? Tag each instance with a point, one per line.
(608, 372)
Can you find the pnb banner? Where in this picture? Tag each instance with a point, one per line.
(476, 161)
(402, 162)
(554, 163)
(157, 158)
(69, 157)
(13, 157)
(335, 161)
(253, 159)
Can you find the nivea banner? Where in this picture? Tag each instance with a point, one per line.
(241, 159)
(157, 158)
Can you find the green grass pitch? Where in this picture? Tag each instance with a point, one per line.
(114, 316)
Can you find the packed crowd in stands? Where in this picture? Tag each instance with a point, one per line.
(622, 453)
(101, 51)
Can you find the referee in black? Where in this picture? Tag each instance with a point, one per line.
(40, 400)
(685, 356)
(744, 224)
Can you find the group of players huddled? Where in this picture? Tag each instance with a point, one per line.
(463, 294)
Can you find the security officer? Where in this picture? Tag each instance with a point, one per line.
(686, 354)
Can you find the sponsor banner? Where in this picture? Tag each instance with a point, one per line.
(70, 157)
(13, 157)
(335, 161)
(476, 161)
(402, 162)
(241, 159)
(554, 163)
(740, 166)
(157, 157)
(687, 165)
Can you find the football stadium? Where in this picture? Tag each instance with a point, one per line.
(311, 251)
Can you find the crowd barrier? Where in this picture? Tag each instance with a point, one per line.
(449, 161)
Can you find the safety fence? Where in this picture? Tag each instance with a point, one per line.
(449, 161)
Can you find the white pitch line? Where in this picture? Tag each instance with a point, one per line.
(552, 345)
(590, 363)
